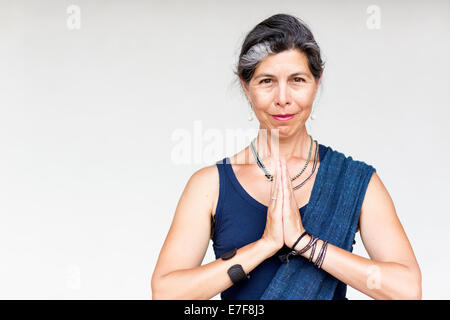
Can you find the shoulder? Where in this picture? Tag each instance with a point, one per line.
(205, 183)
(205, 178)
(349, 163)
(205, 174)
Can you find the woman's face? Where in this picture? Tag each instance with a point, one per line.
(282, 84)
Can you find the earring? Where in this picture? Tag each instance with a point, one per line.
(312, 115)
(250, 116)
(313, 108)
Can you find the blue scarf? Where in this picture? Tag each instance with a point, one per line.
(332, 214)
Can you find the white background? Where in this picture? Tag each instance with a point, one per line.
(88, 186)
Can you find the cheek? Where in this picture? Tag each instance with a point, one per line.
(263, 101)
(305, 98)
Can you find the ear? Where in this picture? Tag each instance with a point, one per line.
(245, 87)
(318, 82)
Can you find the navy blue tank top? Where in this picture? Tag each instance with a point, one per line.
(239, 220)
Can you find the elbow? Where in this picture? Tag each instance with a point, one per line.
(410, 288)
(419, 294)
(415, 288)
(415, 293)
(156, 295)
(418, 285)
(157, 292)
(161, 290)
(169, 286)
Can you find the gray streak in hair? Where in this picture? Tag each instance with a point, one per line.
(255, 55)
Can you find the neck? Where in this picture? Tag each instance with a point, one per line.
(271, 146)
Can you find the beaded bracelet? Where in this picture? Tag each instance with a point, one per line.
(293, 252)
(312, 243)
(306, 248)
(298, 240)
(321, 256)
(313, 248)
(318, 257)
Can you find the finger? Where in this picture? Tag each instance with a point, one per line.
(288, 188)
(274, 187)
(289, 198)
(286, 174)
(288, 180)
(279, 187)
(274, 179)
(285, 180)
(273, 184)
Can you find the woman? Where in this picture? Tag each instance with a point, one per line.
(283, 212)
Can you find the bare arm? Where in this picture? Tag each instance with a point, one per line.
(178, 273)
(393, 271)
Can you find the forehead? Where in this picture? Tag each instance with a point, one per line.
(284, 61)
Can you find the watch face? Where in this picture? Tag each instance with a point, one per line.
(228, 255)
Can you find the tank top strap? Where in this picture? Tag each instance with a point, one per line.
(223, 181)
(222, 170)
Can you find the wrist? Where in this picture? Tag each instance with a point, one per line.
(304, 242)
(268, 247)
(294, 243)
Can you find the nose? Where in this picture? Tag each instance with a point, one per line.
(283, 96)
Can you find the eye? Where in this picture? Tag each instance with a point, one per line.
(301, 79)
(263, 80)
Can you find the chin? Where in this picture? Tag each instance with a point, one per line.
(284, 131)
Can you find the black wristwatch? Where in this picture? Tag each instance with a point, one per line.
(237, 274)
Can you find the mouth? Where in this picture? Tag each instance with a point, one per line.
(283, 117)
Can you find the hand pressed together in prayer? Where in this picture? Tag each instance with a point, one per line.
(283, 225)
(292, 222)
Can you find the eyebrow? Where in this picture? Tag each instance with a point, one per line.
(291, 75)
